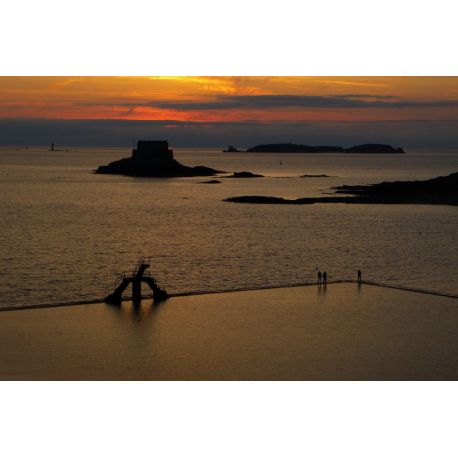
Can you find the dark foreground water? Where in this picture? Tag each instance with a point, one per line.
(65, 233)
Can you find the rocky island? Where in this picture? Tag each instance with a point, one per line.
(321, 175)
(154, 159)
(367, 148)
(436, 191)
(245, 175)
(231, 149)
(374, 148)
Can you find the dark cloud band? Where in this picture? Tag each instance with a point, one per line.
(240, 102)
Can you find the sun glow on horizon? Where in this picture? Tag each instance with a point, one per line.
(230, 99)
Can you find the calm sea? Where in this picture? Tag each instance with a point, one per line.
(66, 233)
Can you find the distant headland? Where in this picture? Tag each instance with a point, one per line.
(436, 191)
(367, 148)
(154, 159)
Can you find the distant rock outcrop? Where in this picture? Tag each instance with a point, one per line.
(374, 148)
(368, 148)
(322, 175)
(231, 149)
(245, 175)
(153, 159)
(265, 200)
(210, 182)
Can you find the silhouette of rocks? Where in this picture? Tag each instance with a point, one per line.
(153, 159)
(210, 182)
(245, 175)
(436, 191)
(315, 176)
(368, 148)
(231, 149)
(440, 187)
(374, 148)
(267, 200)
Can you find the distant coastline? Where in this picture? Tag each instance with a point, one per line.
(366, 148)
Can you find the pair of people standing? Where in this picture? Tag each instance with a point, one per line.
(322, 278)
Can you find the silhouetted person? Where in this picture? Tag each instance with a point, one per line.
(52, 146)
(319, 277)
(359, 276)
(325, 278)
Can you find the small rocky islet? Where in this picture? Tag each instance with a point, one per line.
(154, 159)
(321, 175)
(245, 175)
(210, 182)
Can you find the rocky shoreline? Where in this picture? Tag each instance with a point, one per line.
(436, 191)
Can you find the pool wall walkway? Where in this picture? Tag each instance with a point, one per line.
(234, 290)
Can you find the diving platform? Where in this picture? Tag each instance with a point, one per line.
(136, 278)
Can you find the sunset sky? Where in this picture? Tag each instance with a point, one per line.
(199, 111)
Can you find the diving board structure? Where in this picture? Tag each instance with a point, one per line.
(136, 278)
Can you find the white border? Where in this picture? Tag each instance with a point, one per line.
(237, 37)
(229, 419)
